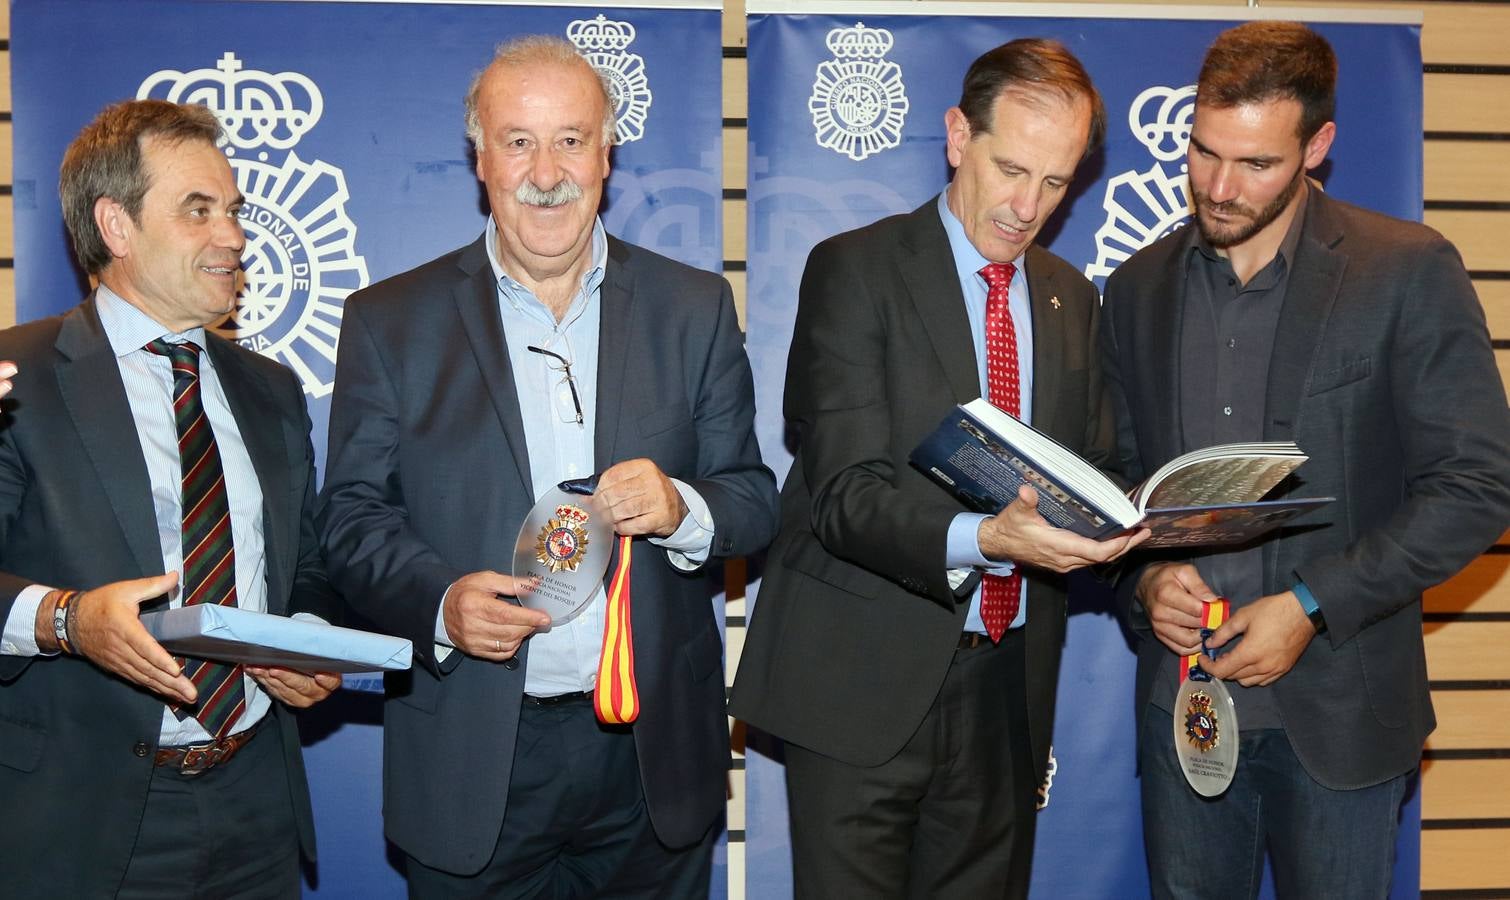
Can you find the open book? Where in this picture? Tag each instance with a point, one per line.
(1212, 496)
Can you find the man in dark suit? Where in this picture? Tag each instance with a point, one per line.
(916, 697)
(1285, 314)
(143, 455)
(544, 351)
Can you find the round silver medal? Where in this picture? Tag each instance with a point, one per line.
(1205, 735)
(561, 554)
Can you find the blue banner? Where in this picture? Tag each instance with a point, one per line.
(344, 128)
(846, 126)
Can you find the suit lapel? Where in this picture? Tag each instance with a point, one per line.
(260, 424)
(1309, 297)
(476, 298)
(1048, 340)
(616, 311)
(1160, 335)
(89, 381)
(932, 284)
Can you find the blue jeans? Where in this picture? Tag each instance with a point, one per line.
(1321, 842)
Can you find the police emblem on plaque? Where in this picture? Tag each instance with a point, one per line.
(602, 41)
(1142, 207)
(563, 542)
(300, 261)
(1201, 726)
(859, 103)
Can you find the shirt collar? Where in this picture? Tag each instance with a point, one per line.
(591, 279)
(129, 329)
(968, 261)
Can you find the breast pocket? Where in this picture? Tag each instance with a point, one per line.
(1342, 376)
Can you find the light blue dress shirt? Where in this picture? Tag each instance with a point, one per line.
(148, 380)
(565, 658)
(963, 547)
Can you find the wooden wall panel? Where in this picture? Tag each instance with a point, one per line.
(1471, 720)
(1480, 236)
(1482, 587)
(736, 159)
(1465, 789)
(1466, 103)
(1468, 170)
(1466, 860)
(1468, 650)
(1495, 295)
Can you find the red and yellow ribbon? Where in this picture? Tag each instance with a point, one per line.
(1212, 617)
(615, 698)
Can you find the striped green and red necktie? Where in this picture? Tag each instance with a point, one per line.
(209, 559)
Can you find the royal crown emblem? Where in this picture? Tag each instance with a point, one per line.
(1142, 207)
(859, 103)
(1201, 726)
(603, 42)
(562, 543)
(300, 261)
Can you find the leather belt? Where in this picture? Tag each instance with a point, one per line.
(558, 699)
(969, 640)
(197, 759)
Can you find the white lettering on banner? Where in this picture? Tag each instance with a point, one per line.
(1142, 207)
(602, 42)
(859, 103)
(300, 261)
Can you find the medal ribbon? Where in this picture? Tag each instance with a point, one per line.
(1212, 617)
(615, 698)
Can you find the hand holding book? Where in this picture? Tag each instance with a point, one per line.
(1021, 534)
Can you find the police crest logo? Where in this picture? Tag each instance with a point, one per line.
(1202, 727)
(300, 261)
(603, 42)
(562, 544)
(859, 103)
(1142, 207)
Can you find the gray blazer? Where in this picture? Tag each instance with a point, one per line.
(855, 623)
(429, 479)
(76, 744)
(1383, 373)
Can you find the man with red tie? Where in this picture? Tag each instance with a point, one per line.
(146, 462)
(905, 649)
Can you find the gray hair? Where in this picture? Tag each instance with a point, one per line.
(536, 49)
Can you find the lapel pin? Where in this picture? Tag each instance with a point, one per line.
(1054, 302)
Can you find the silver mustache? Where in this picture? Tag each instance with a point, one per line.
(565, 191)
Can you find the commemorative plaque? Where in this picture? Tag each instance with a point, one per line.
(1205, 718)
(561, 554)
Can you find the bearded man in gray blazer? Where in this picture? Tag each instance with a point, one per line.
(465, 389)
(1284, 314)
(121, 773)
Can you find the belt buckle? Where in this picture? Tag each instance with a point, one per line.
(201, 759)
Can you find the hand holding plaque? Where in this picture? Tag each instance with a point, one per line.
(1205, 718)
(562, 551)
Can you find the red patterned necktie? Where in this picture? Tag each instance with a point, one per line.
(209, 563)
(1000, 594)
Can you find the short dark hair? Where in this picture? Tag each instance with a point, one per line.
(1259, 62)
(1031, 65)
(105, 160)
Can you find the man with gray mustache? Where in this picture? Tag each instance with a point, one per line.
(546, 350)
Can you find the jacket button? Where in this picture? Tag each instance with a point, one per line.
(511, 663)
(140, 749)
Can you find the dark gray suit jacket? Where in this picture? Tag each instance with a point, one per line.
(856, 624)
(429, 479)
(76, 744)
(1383, 373)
